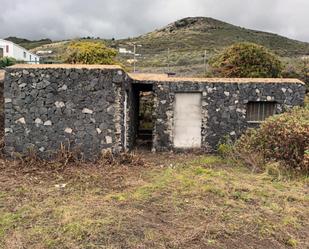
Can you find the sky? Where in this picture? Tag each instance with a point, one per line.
(64, 19)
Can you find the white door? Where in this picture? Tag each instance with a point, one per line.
(187, 120)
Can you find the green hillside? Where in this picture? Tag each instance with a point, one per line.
(207, 33)
(187, 40)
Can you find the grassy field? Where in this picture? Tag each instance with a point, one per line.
(158, 201)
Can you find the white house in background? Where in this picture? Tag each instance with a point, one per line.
(10, 49)
(42, 52)
(125, 51)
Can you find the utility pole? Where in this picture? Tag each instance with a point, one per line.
(168, 60)
(205, 61)
(305, 69)
(134, 58)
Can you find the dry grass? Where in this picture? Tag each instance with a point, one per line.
(162, 201)
(65, 66)
(144, 77)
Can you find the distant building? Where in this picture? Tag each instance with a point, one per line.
(125, 51)
(42, 52)
(10, 49)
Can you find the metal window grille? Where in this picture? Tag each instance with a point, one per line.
(259, 111)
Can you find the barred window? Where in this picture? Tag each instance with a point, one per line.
(259, 111)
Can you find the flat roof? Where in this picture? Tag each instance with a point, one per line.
(141, 77)
(65, 66)
(149, 78)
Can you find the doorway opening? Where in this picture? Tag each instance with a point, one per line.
(144, 116)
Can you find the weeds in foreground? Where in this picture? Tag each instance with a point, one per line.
(66, 157)
(188, 202)
(132, 159)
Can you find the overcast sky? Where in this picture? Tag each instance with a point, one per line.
(62, 19)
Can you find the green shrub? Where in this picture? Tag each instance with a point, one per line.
(242, 156)
(247, 60)
(6, 62)
(283, 138)
(225, 147)
(87, 52)
(297, 68)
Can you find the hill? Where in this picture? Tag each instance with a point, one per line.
(187, 40)
(28, 44)
(207, 33)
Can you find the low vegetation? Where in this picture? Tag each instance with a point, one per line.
(7, 61)
(297, 68)
(282, 140)
(164, 201)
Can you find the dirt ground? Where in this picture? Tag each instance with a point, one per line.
(150, 201)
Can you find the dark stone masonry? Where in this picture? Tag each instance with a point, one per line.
(49, 106)
(223, 107)
(95, 108)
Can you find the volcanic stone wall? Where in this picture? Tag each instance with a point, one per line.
(95, 108)
(49, 106)
(224, 106)
(1, 103)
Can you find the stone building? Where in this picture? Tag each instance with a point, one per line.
(92, 108)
